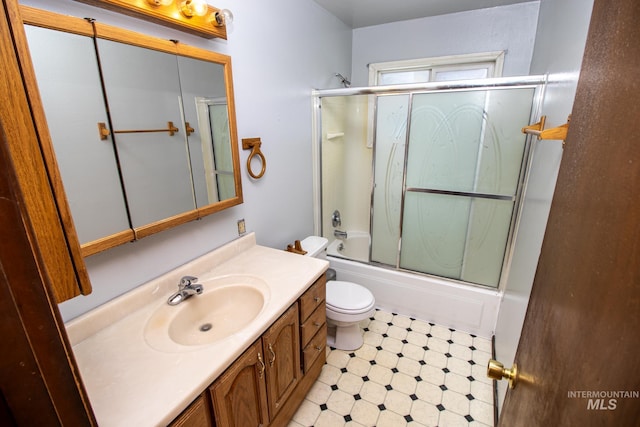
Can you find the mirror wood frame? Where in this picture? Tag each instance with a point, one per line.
(54, 21)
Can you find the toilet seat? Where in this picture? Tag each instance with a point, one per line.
(348, 298)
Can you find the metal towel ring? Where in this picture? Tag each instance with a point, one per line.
(253, 144)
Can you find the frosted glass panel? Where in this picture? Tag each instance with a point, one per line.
(391, 133)
(486, 241)
(454, 236)
(503, 142)
(434, 233)
(463, 142)
(69, 84)
(446, 131)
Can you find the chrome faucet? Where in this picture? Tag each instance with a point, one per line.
(339, 234)
(186, 288)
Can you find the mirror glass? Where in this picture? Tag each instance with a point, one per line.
(143, 130)
(68, 78)
(206, 110)
(143, 93)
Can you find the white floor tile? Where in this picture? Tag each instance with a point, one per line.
(425, 413)
(340, 402)
(390, 419)
(455, 402)
(457, 383)
(398, 402)
(329, 419)
(409, 372)
(373, 392)
(380, 374)
(403, 383)
(365, 412)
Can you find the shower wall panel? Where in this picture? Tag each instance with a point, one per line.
(346, 163)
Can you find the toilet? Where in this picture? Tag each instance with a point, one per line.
(347, 303)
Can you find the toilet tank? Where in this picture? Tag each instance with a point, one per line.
(315, 246)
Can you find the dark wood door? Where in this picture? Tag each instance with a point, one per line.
(239, 395)
(281, 344)
(580, 340)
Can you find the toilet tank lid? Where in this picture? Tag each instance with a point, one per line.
(314, 245)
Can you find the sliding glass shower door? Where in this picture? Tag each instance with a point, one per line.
(447, 169)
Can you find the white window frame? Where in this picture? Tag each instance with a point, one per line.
(493, 61)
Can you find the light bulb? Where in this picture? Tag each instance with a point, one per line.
(223, 17)
(194, 7)
(200, 7)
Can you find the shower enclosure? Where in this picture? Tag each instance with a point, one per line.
(427, 178)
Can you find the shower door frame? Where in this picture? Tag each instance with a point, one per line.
(535, 82)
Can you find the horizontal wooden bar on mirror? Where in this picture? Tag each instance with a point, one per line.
(104, 132)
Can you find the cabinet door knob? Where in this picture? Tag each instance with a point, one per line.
(316, 299)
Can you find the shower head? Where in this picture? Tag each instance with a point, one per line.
(344, 80)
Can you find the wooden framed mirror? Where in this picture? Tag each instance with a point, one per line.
(141, 131)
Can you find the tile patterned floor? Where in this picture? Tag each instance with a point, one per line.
(407, 373)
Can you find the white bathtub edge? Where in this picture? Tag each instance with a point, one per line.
(465, 308)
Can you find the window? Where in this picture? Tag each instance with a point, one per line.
(442, 68)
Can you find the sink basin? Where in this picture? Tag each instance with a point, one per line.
(227, 305)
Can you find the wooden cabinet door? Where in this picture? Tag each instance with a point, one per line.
(239, 395)
(281, 345)
(197, 414)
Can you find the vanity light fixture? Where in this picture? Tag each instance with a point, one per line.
(192, 16)
(189, 8)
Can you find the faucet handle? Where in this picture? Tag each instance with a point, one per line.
(186, 281)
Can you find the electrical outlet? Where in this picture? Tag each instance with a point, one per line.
(241, 227)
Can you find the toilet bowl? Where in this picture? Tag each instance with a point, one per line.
(347, 303)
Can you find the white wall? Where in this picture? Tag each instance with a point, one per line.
(276, 63)
(560, 41)
(510, 28)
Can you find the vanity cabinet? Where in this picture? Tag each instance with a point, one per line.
(281, 345)
(240, 394)
(196, 415)
(313, 327)
(254, 389)
(268, 382)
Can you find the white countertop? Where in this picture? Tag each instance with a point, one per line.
(129, 382)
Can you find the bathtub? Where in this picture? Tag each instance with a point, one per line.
(354, 247)
(448, 303)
